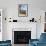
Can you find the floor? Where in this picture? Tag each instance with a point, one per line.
(20, 45)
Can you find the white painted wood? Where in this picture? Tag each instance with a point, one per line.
(1, 25)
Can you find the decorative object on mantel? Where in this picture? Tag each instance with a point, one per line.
(5, 18)
(38, 19)
(32, 20)
(14, 20)
(10, 19)
(23, 10)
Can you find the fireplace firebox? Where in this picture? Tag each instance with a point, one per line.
(22, 37)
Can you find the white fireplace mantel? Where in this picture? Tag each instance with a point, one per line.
(23, 25)
(26, 27)
(15, 26)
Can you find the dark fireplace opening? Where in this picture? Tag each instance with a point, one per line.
(22, 37)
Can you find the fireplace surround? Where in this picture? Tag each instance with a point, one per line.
(21, 35)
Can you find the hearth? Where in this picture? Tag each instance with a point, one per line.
(22, 37)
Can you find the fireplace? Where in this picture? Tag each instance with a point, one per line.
(22, 37)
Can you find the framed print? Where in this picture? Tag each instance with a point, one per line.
(23, 10)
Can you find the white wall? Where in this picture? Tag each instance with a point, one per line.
(4, 24)
(11, 10)
(35, 3)
(40, 23)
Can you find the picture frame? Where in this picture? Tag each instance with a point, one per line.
(23, 10)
